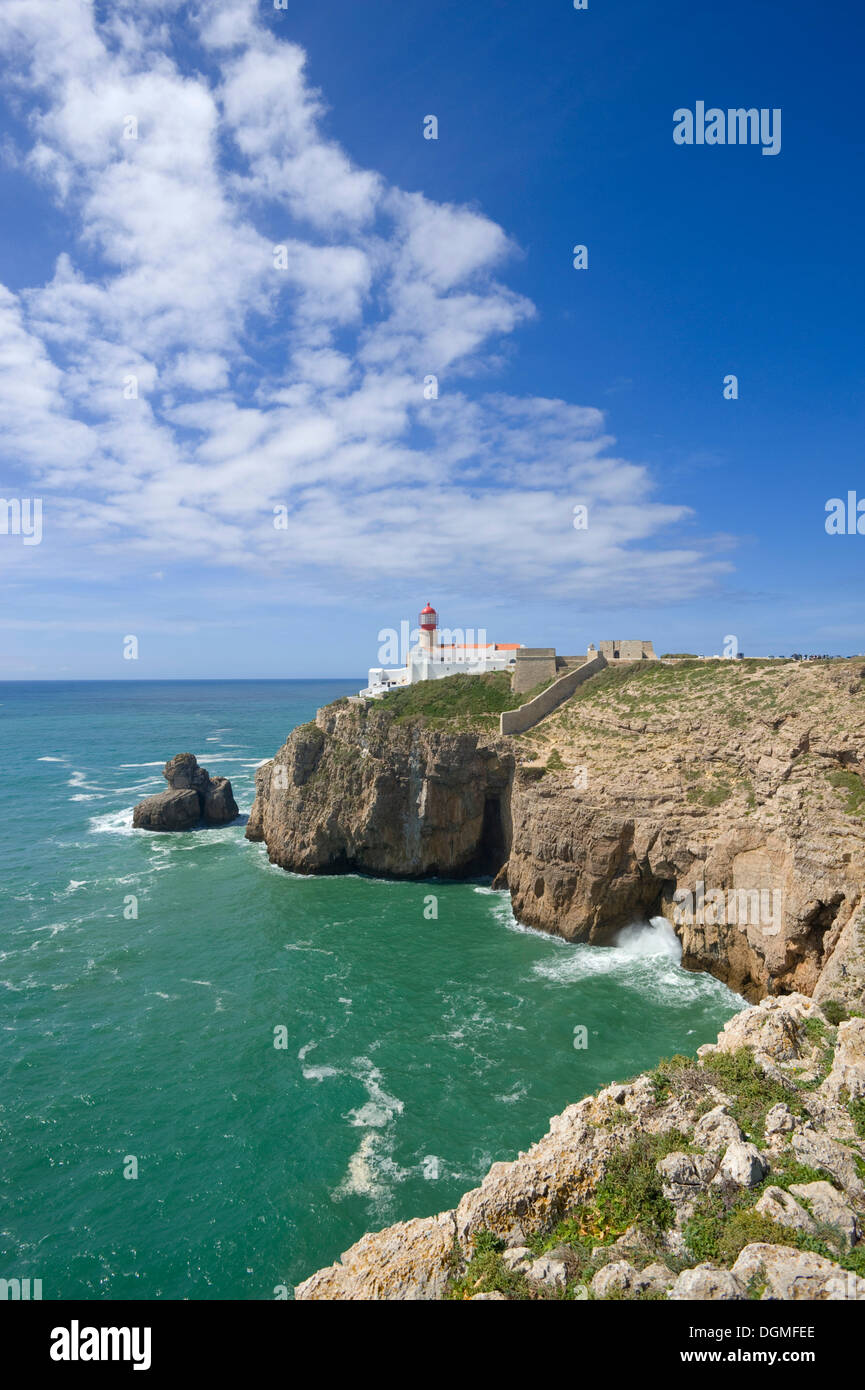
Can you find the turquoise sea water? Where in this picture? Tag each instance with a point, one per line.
(418, 1052)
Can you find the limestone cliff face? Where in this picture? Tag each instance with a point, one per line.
(729, 780)
(735, 788)
(360, 791)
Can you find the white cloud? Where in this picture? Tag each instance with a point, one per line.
(259, 385)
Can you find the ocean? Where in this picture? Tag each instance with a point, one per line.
(216, 1076)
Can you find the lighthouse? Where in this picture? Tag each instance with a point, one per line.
(428, 622)
(439, 653)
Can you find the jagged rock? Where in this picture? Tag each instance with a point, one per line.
(634, 1240)
(409, 1261)
(194, 797)
(675, 1244)
(828, 1206)
(494, 1297)
(796, 1274)
(182, 771)
(774, 1031)
(362, 789)
(743, 1164)
(779, 1206)
(829, 1117)
(842, 977)
(517, 1257)
(542, 1185)
(685, 1177)
(705, 1282)
(846, 1080)
(173, 810)
(655, 1277)
(553, 1273)
(516, 1236)
(220, 807)
(716, 1130)
(619, 1276)
(359, 792)
(780, 1120)
(817, 1150)
(562, 1172)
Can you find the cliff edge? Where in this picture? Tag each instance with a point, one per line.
(724, 795)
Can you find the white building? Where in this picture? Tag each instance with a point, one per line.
(432, 659)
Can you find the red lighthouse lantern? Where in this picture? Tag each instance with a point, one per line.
(428, 622)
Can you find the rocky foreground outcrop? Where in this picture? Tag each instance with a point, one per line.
(739, 1175)
(725, 795)
(194, 798)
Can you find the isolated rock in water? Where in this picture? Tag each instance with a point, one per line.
(178, 810)
(194, 796)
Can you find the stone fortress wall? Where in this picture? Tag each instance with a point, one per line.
(516, 721)
(628, 651)
(537, 664)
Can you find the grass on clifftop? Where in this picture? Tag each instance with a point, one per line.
(458, 700)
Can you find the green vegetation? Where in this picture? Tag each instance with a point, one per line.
(852, 784)
(715, 794)
(486, 1272)
(554, 762)
(720, 1233)
(753, 1092)
(648, 687)
(671, 1072)
(453, 700)
(857, 1115)
(631, 1192)
(462, 701)
(835, 1011)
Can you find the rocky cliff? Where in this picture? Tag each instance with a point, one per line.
(361, 790)
(725, 795)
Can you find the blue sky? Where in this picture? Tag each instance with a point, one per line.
(300, 385)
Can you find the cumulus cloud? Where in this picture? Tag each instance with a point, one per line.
(245, 321)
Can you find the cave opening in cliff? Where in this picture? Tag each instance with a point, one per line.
(492, 849)
(810, 943)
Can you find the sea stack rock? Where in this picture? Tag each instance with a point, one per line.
(194, 798)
